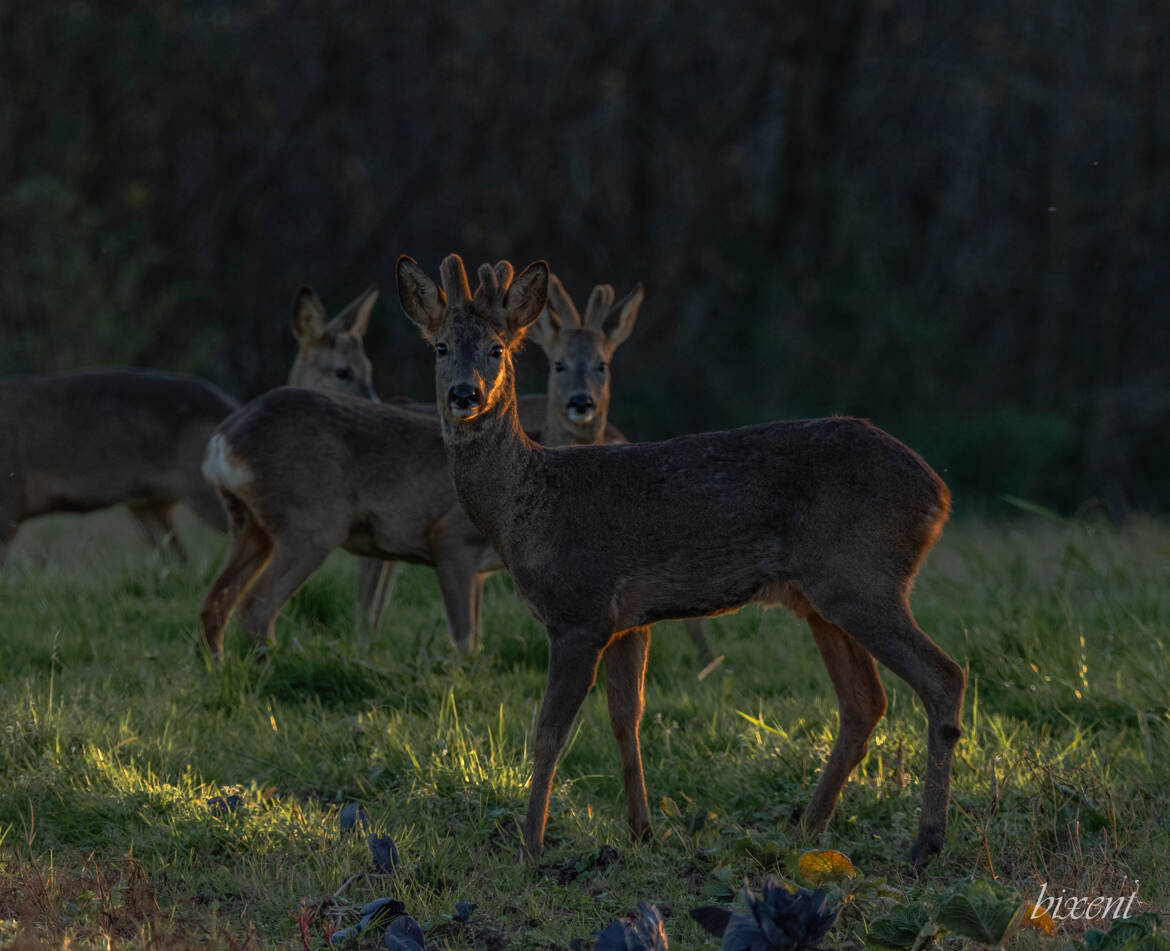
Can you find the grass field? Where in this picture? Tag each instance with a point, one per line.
(117, 731)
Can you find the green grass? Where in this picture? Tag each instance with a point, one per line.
(117, 729)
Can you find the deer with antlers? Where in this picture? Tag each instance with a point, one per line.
(304, 473)
(828, 517)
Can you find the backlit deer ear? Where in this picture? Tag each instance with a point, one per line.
(526, 298)
(309, 316)
(559, 311)
(356, 317)
(420, 297)
(619, 319)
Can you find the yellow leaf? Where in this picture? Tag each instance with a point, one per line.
(824, 865)
(1036, 917)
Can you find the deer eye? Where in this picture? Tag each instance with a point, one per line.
(441, 349)
(497, 351)
(343, 373)
(602, 367)
(559, 367)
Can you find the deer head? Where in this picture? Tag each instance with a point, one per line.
(579, 353)
(332, 357)
(474, 337)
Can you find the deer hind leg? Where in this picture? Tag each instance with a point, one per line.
(625, 679)
(250, 551)
(374, 585)
(861, 703)
(292, 561)
(573, 655)
(155, 519)
(885, 627)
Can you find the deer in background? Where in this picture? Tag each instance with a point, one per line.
(828, 517)
(579, 352)
(87, 440)
(302, 474)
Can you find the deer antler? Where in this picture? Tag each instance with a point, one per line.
(454, 278)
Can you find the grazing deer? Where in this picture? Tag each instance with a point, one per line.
(76, 442)
(579, 352)
(829, 517)
(388, 494)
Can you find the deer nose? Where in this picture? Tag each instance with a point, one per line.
(581, 402)
(463, 396)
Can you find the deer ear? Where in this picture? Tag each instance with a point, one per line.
(356, 317)
(561, 302)
(421, 298)
(309, 317)
(526, 298)
(544, 332)
(619, 319)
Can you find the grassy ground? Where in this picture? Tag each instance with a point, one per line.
(117, 730)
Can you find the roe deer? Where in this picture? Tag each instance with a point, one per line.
(829, 517)
(302, 474)
(76, 442)
(332, 359)
(579, 352)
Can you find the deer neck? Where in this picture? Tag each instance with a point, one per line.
(492, 464)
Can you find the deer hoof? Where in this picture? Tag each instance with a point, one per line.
(927, 846)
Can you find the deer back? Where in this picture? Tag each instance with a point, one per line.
(85, 440)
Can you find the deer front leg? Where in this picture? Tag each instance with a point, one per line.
(374, 585)
(625, 678)
(456, 567)
(573, 656)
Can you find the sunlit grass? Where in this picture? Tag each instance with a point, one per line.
(118, 730)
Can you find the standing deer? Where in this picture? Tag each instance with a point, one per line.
(829, 517)
(77, 442)
(302, 474)
(579, 352)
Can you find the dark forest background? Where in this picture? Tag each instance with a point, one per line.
(950, 217)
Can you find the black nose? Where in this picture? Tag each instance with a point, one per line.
(463, 396)
(582, 402)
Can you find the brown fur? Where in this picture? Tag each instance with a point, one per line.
(579, 353)
(389, 497)
(76, 442)
(829, 516)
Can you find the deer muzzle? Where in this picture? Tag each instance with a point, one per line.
(580, 407)
(464, 399)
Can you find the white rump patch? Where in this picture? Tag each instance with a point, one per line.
(221, 468)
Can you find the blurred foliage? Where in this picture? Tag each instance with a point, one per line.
(951, 218)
